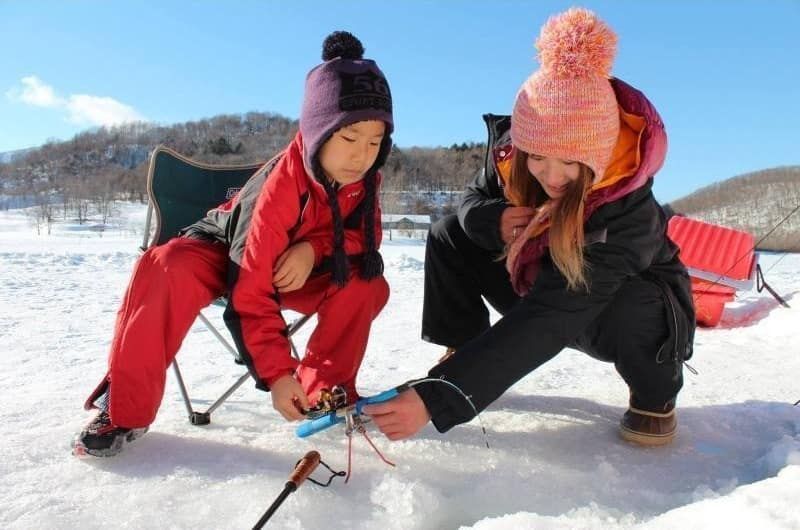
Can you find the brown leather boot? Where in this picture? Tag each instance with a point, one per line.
(448, 352)
(648, 427)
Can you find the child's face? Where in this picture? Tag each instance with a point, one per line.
(351, 151)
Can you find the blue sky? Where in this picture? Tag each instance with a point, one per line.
(724, 75)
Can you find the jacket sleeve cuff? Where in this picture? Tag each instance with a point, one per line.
(446, 407)
(318, 251)
(271, 379)
(266, 378)
(482, 224)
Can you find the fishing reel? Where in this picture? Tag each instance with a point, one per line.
(330, 400)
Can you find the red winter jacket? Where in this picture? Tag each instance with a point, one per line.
(280, 205)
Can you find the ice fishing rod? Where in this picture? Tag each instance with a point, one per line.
(348, 414)
(336, 410)
(341, 414)
(302, 470)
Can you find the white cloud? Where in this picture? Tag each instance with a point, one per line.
(34, 92)
(96, 110)
(82, 109)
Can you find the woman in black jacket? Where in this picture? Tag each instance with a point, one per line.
(590, 263)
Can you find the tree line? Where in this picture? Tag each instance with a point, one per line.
(87, 174)
(67, 179)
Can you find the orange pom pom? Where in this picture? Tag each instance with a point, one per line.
(576, 44)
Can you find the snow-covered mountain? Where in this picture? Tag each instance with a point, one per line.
(556, 461)
(755, 202)
(8, 156)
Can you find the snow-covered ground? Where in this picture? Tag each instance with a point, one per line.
(555, 462)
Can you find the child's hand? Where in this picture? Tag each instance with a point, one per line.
(293, 267)
(288, 398)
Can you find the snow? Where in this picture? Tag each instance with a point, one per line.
(555, 462)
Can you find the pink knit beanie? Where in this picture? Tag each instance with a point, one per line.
(567, 109)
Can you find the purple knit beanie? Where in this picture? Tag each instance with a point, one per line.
(343, 90)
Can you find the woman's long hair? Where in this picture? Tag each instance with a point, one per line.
(566, 219)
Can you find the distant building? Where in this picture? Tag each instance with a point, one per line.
(391, 221)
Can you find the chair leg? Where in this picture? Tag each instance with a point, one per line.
(195, 417)
(239, 382)
(204, 418)
(218, 335)
(294, 326)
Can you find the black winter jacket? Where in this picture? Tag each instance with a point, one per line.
(629, 240)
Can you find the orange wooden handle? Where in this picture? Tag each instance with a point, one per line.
(304, 468)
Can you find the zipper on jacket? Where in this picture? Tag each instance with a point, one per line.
(674, 330)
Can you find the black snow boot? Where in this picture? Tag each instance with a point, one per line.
(102, 438)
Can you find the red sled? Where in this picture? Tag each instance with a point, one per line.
(720, 261)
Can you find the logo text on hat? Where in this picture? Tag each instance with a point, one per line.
(363, 91)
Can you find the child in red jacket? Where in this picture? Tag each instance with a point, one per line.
(302, 234)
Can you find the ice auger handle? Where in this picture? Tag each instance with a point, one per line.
(304, 468)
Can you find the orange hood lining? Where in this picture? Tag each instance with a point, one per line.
(627, 154)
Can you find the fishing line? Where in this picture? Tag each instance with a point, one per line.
(461, 393)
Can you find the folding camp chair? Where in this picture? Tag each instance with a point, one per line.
(180, 192)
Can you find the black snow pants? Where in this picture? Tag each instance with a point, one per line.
(629, 332)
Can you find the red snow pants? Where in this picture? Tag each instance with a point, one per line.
(173, 282)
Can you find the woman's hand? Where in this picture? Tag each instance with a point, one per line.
(400, 417)
(513, 221)
(293, 267)
(288, 398)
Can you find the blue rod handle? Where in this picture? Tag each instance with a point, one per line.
(309, 427)
(378, 398)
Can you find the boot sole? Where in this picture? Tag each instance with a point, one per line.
(646, 439)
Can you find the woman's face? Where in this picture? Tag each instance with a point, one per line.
(351, 151)
(554, 174)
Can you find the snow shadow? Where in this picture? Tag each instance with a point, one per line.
(158, 454)
(550, 455)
